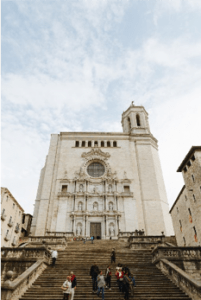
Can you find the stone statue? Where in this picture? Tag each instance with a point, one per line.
(81, 188)
(110, 188)
(95, 206)
(111, 230)
(80, 206)
(110, 206)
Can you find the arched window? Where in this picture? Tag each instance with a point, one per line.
(129, 123)
(83, 143)
(108, 143)
(138, 120)
(102, 144)
(89, 143)
(114, 144)
(95, 206)
(95, 143)
(76, 144)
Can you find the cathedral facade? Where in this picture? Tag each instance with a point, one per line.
(100, 183)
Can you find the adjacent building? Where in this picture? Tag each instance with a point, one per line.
(186, 210)
(11, 219)
(100, 183)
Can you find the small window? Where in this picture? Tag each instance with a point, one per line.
(126, 189)
(83, 143)
(185, 169)
(186, 198)
(138, 120)
(64, 188)
(102, 144)
(177, 210)
(194, 198)
(95, 143)
(193, 178)
(23, 219)
(114, 144)
(108, 144)
(129, 123)
(13, 205)
(189, 163)
(89, 144)
(180, 225)
(6, 198)
(195, 234)
(77, 144)
(189, 211)
(193, 158)
(184, 241)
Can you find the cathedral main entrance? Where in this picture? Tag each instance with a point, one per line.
(95, 230)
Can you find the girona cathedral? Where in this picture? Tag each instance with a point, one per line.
(100, 183)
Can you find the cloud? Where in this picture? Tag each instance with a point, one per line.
(66, 69)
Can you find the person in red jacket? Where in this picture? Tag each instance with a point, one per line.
(117, 275)
(121, 277)
(73, 284)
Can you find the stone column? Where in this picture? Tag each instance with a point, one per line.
(72, 223)
(84, 225)
(74, 230)
(117, 205)
(116, 227)
(106, 229)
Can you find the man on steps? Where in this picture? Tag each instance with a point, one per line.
(54, 255)
(94, 273)
(101, 284)
(66, 287)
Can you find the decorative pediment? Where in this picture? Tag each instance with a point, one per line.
(94, 153)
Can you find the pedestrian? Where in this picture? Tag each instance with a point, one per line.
(74, 284)
(66, 287)
(108, 275)
(121, 276)
(117, 275)
(54, 255)
(101, 284)
(94, 273)
(132, 283)
(126, 285)
(92, 239)
(113, 256)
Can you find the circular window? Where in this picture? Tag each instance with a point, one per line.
(96, 169)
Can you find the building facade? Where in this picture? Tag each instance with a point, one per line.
(97, 183)
(11, 219)
(186, 210)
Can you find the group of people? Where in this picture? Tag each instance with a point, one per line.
(125, 279)
(69, 287)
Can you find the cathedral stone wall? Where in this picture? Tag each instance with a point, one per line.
(128, 195)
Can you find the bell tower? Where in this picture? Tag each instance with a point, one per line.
(135, 120)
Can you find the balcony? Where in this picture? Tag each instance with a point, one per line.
(17, 229)
(10, 223)
(7, 237)
(3, 217)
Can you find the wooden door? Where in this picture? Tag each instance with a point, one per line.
(95, 230)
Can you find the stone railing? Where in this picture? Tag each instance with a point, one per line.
(56, 242)
(176, 253)
(16, 288)
(180, 278)
(57, 233)
(24, 253)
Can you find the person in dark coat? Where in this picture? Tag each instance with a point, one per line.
(94, 273)
(126, 284)
(113, 256)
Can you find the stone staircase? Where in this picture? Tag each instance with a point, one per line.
(78, 257)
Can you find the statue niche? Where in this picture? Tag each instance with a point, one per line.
(110, 188)
(80, 206)
(111, 229)
(95, 206)
(81, 188)
(79, 229)
(110, 206)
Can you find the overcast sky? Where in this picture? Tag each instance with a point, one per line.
(77, 65)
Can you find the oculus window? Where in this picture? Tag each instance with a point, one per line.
(96, 169)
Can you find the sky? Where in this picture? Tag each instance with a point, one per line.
(77, 65)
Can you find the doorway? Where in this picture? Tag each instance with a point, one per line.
(95, 230)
